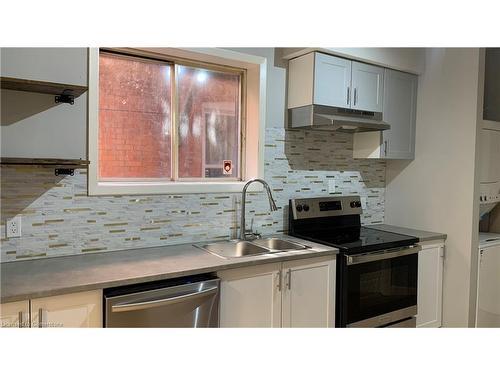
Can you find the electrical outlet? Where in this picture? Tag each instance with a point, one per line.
(14, 227)
(331, 185)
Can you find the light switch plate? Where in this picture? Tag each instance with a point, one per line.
(13, 227)
(363, 203)
(331, 185)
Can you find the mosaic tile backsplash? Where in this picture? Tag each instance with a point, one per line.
(58, 218)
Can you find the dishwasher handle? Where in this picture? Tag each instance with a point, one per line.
(163, 302)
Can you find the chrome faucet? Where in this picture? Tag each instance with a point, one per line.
(272, 203)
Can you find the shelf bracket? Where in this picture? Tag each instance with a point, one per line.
(66, 97)
(64, 171)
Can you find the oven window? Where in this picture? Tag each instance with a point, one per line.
(380, 287)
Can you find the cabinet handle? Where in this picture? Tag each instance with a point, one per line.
(289, 274)
(40, 318)
(279, 281)
(355, 95)
(20, 319)
(348, 95)
(385, 148)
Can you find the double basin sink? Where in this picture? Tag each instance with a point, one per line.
(240, 248)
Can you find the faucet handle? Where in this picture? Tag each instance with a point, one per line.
(251, 235)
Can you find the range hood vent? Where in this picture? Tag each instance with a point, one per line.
(321, 117)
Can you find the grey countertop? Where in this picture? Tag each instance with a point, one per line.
(422, 235)
(46, 277)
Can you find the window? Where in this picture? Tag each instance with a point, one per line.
(174, 123)
(135, 120)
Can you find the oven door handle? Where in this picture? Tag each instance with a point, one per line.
(382, 255)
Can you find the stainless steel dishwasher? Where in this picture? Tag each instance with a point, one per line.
(186, 302)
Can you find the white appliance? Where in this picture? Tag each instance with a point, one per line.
(489, 170)
(488, 290)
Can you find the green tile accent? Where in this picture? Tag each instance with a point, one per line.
(93, 249)
(58, 245)
(82, 209)
(114, 224)
(31, 255)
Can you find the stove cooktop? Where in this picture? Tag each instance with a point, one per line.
(361, 239)
(336, 221)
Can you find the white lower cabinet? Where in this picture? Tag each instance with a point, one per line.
(76, 310)
(309, 293)
(15, 314)
(297, 293)
(251, 296)
(430, 284)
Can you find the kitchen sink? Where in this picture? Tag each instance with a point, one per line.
(238, 248)
(234, 249)
(279, 244)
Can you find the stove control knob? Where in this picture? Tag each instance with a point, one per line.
(298, 208)
(305, 207)
(355, 204)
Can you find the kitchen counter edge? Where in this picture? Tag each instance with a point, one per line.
(422, 235)
(52, 267)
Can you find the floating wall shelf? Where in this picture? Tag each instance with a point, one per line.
(61, 166)
(64, 93)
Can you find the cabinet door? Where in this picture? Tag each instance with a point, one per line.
(309, 293)
(14, 314)
(488, 296)
(430, 284)
(368, 87)
(489, 168)
(251, 296)
(400, 108)
(77, 310)
(332, 81)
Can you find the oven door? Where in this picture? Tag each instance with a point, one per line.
(380, 287)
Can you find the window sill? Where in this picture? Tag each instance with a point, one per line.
(148, 188)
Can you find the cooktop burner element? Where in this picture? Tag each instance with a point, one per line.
(336, 221)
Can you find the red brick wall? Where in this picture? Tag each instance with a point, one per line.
(134, 117)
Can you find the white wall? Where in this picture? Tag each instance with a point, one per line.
(410, 60)
(436, 191)
(276, 86)
(33, 125)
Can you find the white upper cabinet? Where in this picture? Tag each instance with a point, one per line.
(491, 106)
(332, 81)
(489, 168)
(367, 87)
(317, 78)
(400, 111)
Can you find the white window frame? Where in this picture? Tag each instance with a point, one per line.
(255, 102)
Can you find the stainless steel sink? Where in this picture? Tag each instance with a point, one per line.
(279, 244)
(234, 249)
(238, 248)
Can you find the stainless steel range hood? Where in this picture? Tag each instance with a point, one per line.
(321, 117)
